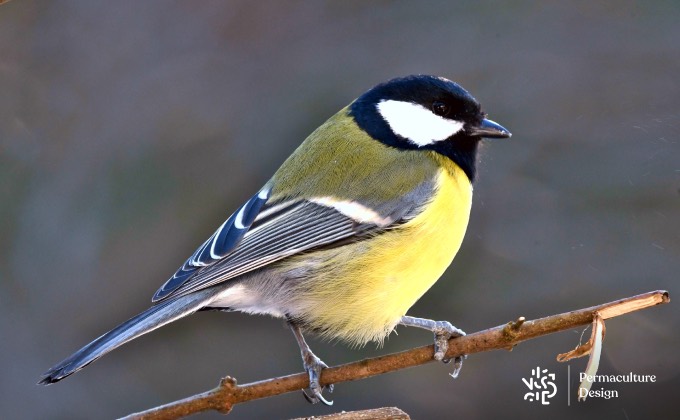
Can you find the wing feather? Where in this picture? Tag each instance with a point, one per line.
(261, 233)
(306, 227)
(223, 241)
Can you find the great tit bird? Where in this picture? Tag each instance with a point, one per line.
(355, 226)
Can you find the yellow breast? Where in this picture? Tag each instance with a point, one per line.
(367, 287)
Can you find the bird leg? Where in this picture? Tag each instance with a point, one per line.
(443, 331)
(313, 365)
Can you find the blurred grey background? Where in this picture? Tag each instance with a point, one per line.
(130, 130)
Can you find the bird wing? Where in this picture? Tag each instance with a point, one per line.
(260, 233)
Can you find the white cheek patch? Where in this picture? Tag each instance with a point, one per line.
(416, 123)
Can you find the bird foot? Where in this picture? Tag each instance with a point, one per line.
(313, 365)
(443, 331)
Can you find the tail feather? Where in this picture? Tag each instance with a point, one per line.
(154, 317)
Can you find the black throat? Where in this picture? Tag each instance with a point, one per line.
(462, 150)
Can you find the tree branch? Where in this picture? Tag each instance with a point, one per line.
(228, 393)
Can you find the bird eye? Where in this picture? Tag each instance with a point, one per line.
(440, 108)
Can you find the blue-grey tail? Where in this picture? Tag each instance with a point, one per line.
(154, 317)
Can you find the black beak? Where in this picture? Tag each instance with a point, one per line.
(489, 130)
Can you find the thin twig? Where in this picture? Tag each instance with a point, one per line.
(228, 393)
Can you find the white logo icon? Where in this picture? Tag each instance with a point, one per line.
(541, 386)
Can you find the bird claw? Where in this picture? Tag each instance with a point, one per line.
(313, 365)
(443, 331)
(457, 365)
